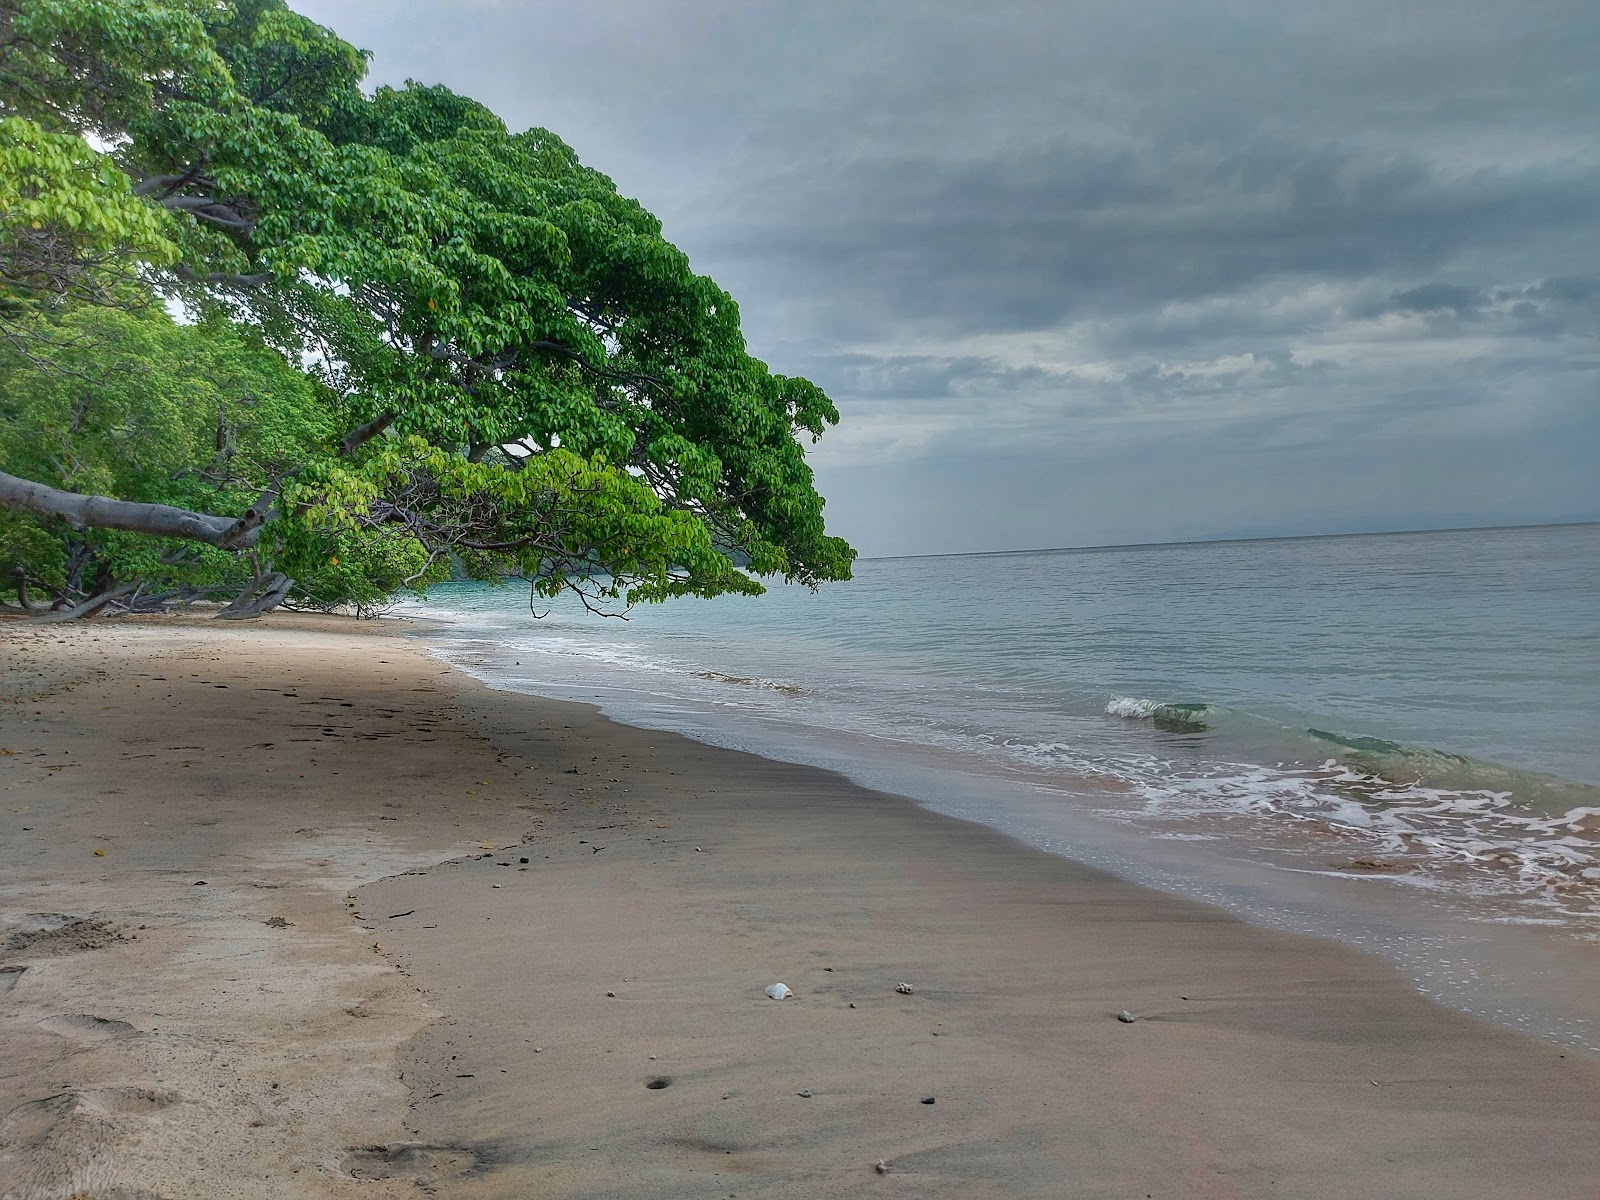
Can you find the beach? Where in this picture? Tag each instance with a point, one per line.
(268, 931)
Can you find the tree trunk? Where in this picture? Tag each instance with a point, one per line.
(90, 606)
(102, 512)
(162, 520)
(28, 605)
(263, 595)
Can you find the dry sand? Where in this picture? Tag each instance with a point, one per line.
(363, 999)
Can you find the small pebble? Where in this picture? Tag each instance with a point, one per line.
(881, 1167)
(611, 995)
(1126, 1017)
(927, 1099)
(497, 885)
(804, 1094)
(905, 989)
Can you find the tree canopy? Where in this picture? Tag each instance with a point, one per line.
(412, 335)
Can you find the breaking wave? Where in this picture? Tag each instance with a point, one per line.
(1400, 808)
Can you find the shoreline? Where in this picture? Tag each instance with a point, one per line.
(484, 1058)
(1479, 953)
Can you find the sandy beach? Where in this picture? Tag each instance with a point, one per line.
(290, 909)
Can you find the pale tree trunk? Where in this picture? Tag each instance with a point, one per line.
(263, 594)
(90, 606)
(102, 512)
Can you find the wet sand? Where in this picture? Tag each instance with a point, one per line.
(370, 991)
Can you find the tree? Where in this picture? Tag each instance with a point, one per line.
(171, 419)
(535, 381)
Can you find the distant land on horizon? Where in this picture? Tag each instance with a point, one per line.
(1241, 537)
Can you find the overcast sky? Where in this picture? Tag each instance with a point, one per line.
(1089, 273)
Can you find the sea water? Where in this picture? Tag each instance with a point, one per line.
(1417, 713)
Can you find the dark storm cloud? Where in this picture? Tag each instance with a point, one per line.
(1351, 240)
(1028, 242)
(1567, 290)
(929, 377)
(1433, 298)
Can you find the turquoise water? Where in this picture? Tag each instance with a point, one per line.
(1421, 706)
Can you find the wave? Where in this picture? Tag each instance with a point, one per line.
(1164, 714)
(1412, 805)
(788, 689)
(1386, 760)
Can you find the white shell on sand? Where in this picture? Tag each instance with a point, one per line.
(778, 991)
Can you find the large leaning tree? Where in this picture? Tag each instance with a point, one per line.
(517, 373)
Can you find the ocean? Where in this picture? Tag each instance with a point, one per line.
(1393, 738)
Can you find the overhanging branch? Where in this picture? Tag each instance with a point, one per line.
(102, 512)
(225, 279)
(363, 434)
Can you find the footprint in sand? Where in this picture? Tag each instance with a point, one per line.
(30, 1126)
(60, 933)
(414, 1161)
(131, 1100)
(85, 1028)
(48, 1142)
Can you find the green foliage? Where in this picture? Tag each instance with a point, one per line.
(557, 519)
(358, 568)
(100, 66)
(69, 221)
(491, 291)
(563, 398)
(133, 405)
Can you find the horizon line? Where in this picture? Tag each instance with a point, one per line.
(1207, 541)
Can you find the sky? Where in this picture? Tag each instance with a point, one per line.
(1087, 273)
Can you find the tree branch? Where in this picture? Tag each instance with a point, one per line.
(363, 434)
(102, 512)
(207, 208)
(90, 606)
(624, 377)
(223, 278)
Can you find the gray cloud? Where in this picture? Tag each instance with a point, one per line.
(1344, 256)
(1465, 302)
(1570, 289)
